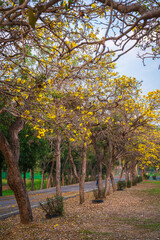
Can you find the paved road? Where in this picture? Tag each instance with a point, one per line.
(8, 204)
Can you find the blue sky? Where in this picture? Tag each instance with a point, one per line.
(132, 66)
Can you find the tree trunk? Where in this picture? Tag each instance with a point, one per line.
(52, 181)
(74, 179)
(63, 179)
(24, 178)
(142, 174)
(136, 170)
(32, 179)
(113, 182)
(16, 183)
(72, 161)
(50, 175)
(99, 168)
(11, 153)
(93, 174)
(100, 180)
(132, 170)
(63, 170)
(127, 175)
(108, 169)
(82, 178)
(0, 181)
(121, 175)
(71, 177)
(42, 181)
(58, 165)
(66, 177)
(81, 191)
(43, 172)
(107, 185)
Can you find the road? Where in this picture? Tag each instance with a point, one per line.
(8, 204)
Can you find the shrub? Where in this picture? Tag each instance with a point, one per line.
(129, 184)
(137, 179)
(154, 177)
(53, 206)
(134, 182)
(140, 179)
(146, 176)
(121, 185)
(96, 194)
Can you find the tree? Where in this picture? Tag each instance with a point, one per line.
(126, 23)
(124, 113)
(44, 50)
(3, 119)
(28, 91)
(11, 152)
(134, 119)
(147, 148)
(1, 167)
(9, 145)
(82, 166)
(32, 151)
(28, 151)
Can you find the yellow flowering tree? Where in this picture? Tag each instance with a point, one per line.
(125, 24)
(31, 87)
(124, 112)
(48, 45)
(138, 123)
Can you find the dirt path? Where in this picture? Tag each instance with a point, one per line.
(129, 214)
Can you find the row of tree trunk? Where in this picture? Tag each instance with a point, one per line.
(11, 152)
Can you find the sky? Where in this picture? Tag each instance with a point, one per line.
(131, 66)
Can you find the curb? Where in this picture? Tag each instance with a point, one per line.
(6, 215)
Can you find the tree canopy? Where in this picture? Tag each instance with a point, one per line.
(57, 74)
(123, 24)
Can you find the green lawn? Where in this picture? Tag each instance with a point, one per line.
(152, 181)
(155, 190)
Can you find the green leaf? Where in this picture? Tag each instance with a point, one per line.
(1, 3)
(32, 19)
(66, 6)
(21, 1)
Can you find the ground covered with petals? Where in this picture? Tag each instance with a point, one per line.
(130, 214)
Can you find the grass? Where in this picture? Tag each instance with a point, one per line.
(152, 181)
(153, 191)
(150, 226)
(37, 185)
(139, 223)
(7, 192)
(4, 181)
(88, 232)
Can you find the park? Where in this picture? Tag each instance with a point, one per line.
(68, 116)
(133, 213)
